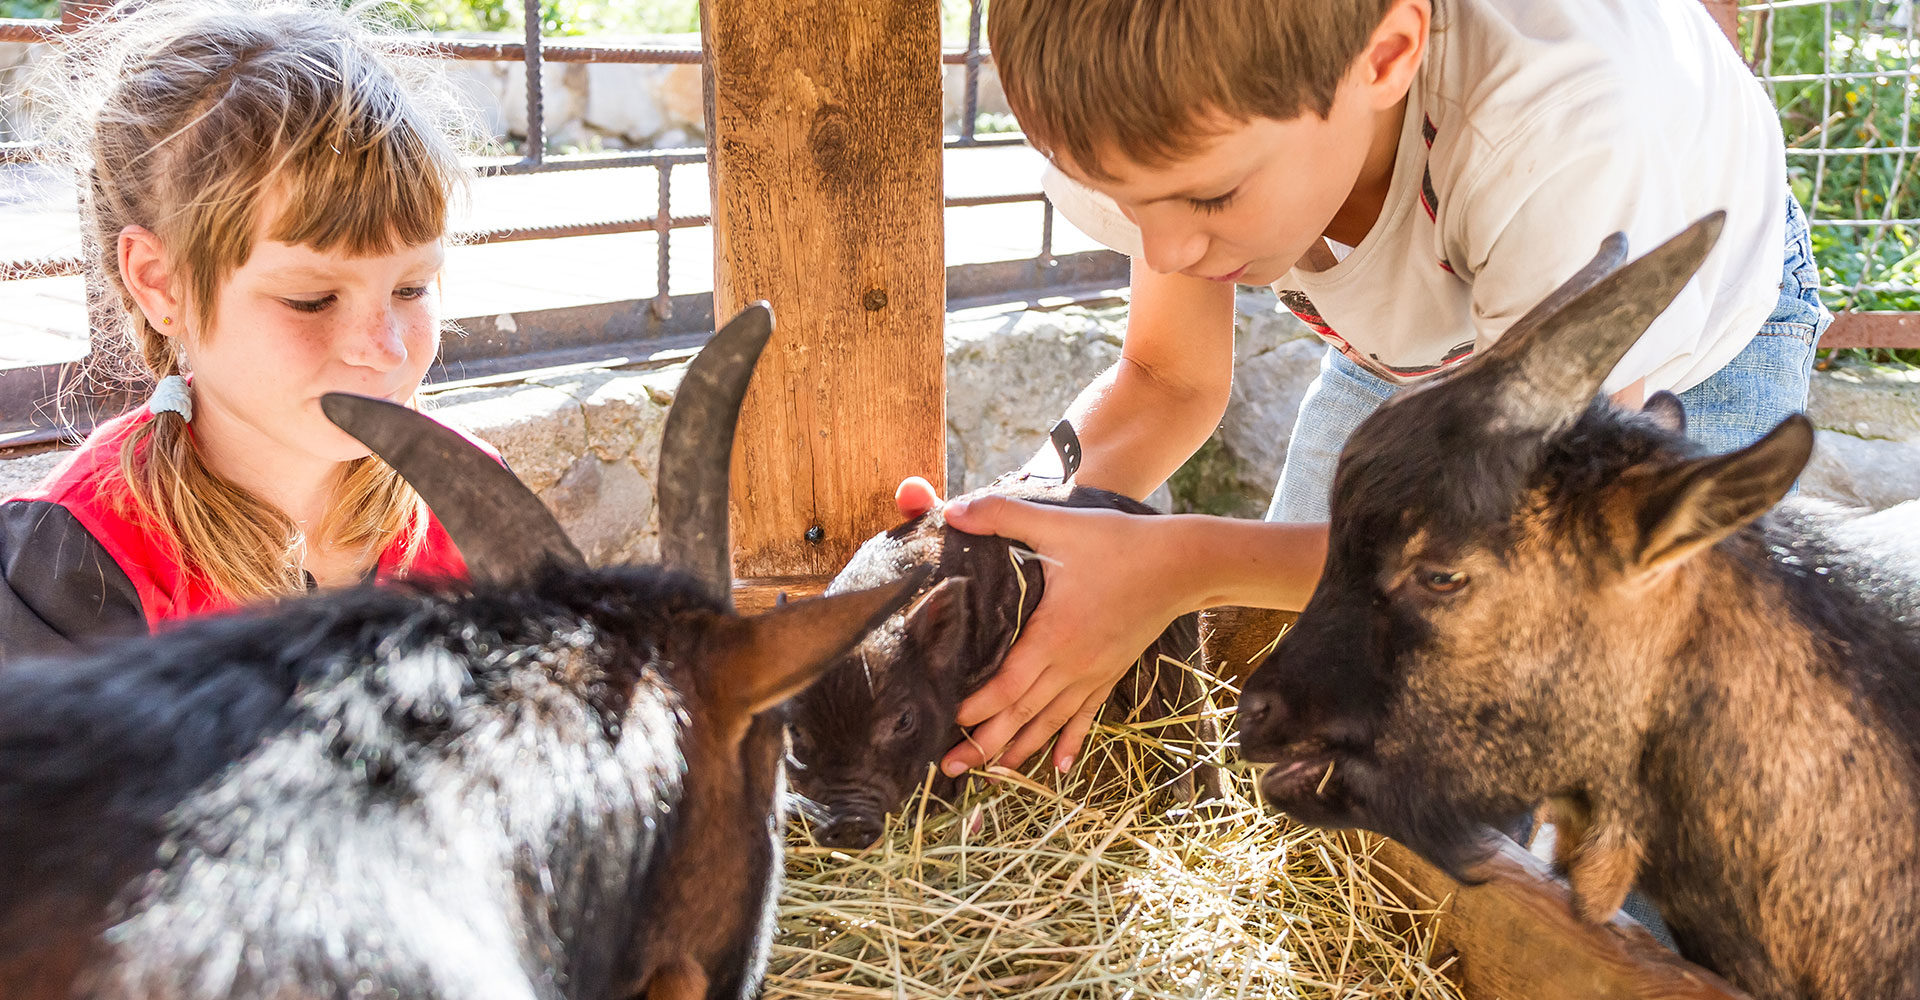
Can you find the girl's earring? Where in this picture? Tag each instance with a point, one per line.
(166, 321)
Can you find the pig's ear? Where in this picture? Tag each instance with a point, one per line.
(937, 627)
(762, 661)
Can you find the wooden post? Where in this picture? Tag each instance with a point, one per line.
(824, 132)
(1726, 13)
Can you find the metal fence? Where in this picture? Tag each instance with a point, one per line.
(1845, 75)
(1845, 85)
(29, 417)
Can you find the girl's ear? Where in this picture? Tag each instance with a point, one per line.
(149, 277)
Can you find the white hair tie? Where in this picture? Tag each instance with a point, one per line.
(172, 396)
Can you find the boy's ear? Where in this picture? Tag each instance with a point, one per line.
(1700, 502)
(767, 659)
(1395, 51)
(937, 627)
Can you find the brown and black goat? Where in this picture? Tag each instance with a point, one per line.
(558, 782)
(1532, 597)
(865, 735)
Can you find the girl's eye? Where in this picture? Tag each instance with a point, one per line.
(1211, 205)
(1442, 581)
(410, 293)
(310, 305)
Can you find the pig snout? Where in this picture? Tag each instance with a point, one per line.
(855, 832)
(847, 814)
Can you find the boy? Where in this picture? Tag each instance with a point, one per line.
(1411, 176)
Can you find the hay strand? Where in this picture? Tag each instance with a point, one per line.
(1087, 886)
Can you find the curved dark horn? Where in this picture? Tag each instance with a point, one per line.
(1612, 253)
(504, 532)
(1547, 373)
(697, 446)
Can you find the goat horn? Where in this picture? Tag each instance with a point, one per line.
(1553, 362)
(1612, 253)
(697, 447)
(504, 532)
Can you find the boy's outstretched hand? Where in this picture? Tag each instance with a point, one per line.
(1104, 603)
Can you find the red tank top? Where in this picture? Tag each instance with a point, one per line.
(85, 486)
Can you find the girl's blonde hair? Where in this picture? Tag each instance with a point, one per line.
(182, 117)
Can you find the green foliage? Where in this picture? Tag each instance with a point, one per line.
(558, 18)
(1863, 268)
(29, 8)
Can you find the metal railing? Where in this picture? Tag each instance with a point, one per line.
(28, 418)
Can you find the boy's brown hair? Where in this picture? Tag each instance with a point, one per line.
(1089, 78)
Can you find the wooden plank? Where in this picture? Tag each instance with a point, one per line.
(1726, 13)
(1516, 936)
(751, 597)
(825, 138)
(1873, 329)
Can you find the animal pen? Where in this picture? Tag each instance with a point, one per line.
(824, 151)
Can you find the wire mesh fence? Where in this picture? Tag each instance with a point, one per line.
(1845, 75)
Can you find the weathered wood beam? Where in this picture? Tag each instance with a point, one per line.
(824, 131)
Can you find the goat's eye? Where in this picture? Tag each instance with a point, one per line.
(905, 722)
(1442, 581)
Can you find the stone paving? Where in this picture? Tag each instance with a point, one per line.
(43, 320)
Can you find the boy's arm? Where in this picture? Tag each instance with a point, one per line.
(1152, 410)
(1114, 581)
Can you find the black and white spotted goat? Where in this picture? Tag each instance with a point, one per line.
(558, 782)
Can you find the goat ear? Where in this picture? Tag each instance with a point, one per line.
(766, 659)
(1666, 410)
(1705, 500)
(938, 626)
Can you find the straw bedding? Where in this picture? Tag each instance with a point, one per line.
(1088, 886)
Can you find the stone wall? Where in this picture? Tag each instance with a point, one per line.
(588, 441)
(587, 105)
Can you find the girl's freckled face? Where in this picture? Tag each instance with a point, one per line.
(293, 323)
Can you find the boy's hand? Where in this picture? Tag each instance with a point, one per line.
(1105, 601)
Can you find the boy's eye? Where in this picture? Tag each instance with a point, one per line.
(410, 293)
(1211, 205)
(310, 305)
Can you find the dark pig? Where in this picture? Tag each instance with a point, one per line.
(865, 735)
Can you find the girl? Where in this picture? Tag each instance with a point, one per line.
(267, 199)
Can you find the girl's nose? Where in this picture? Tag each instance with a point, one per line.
(377, 342)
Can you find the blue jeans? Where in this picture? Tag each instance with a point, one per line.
(1733, 408)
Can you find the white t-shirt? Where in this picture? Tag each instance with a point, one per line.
(1533, 130)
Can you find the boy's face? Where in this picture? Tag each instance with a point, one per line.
(1247, 203)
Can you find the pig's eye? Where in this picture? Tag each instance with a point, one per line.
(1441, 581)
(905, 722)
